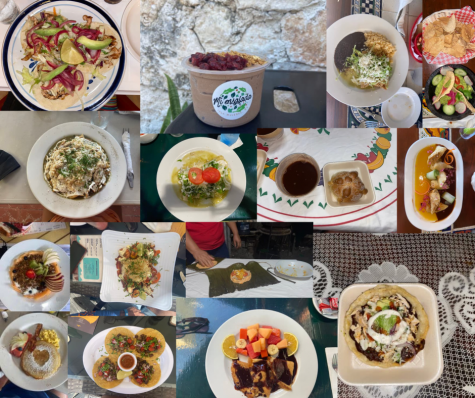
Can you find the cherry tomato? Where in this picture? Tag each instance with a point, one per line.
(211, 175)
(30, 274)
(457, 80)
(195, 175)
(156, 278)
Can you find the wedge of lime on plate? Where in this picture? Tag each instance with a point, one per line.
(70, 54)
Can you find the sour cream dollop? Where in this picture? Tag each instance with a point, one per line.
(381, 338)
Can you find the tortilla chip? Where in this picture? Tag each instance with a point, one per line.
(448, 39)
(450, 25)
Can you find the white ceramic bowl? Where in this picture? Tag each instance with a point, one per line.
(218, 367)
(332, 168)
(205, 214)
(76, 208)
(285, 163)
(354, 96)
(425, 368)
(130, 27)
(95, 349)
(15, 301)
(132, 367)
(411, 211)
(294, 269)
(11, 365)
(402, 110)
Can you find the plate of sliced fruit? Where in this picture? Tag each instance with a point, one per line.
(261, 353)
(33, 277)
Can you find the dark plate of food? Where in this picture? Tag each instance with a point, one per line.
(449, 92)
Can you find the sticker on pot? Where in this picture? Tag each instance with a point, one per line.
(232, 100)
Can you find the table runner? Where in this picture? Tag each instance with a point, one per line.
(198, 285)
(377, 149)
(343, 259)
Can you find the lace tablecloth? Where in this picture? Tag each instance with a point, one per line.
(444, 262)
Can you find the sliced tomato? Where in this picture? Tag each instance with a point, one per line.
(211, 175)
(132, 347)
(129, 341)
(151, 348)
(148, 339)
(195, 175)
(460, 87)
(156, 278)
(99, 373)
(457, 80)
(138, 380)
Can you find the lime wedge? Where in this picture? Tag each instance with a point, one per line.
(70, 54)
(122, 375)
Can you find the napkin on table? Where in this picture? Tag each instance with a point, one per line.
(8, 164)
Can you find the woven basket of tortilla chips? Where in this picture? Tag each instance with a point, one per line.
(463, 18)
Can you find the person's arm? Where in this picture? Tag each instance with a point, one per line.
(236, 238)
(200, 255)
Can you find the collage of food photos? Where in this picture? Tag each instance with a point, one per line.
(237, 199)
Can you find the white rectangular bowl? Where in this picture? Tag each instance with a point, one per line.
(261, 162)
(425, 368)
(353, 165)
(111, 288)
(411, 211)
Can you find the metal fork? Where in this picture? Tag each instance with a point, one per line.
(335, 363)
(368, 124)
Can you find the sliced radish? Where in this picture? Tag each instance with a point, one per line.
(437, 105)
(468, 81)
(460, 107)
(445, 69)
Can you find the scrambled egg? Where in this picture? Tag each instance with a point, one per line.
(49, 336)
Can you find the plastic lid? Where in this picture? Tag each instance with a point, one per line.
(255, 68)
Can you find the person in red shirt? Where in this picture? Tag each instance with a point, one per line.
(204, 240)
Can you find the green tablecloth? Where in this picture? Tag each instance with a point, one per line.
(152, 208)
(191, 349)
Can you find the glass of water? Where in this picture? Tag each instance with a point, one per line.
(101, 118)
(8, 11)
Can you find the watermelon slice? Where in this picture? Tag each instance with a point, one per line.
(273, 339)
(251, 353)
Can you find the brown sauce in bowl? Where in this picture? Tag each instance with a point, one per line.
(300, 178)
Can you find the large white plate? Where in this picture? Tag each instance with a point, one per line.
(76, 208)
(212, 213)
(218, 367)
(425, 368)
(363, 23)
(11, 365)
(111, 288)
(96, 349)
(98, 91)
(411, 212)
(130, 27)
(15, 301)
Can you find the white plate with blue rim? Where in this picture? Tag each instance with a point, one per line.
(98, 91)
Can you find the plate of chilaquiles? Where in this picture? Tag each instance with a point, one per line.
(34, 276)
(261, 353)
(433, 184)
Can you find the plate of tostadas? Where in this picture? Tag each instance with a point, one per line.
(34, 352)
(151, 359)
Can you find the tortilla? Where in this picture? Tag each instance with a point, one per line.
(385, 291)
(247, 278)
(198, 265)
(157, 373)
(154, 333)
(36, 296)
(99, 380)
(109, 31)
(120, 330)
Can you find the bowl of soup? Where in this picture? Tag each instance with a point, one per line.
(433, 184)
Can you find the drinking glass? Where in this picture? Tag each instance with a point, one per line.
(101, 118)
(8, 11)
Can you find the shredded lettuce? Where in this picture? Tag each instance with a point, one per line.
(97, 74)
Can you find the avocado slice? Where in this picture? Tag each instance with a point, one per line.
(384, 304)
(140, 249)
(94, 44)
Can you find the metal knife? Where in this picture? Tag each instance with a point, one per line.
(128, 157)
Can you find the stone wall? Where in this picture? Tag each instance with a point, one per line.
(291, 33)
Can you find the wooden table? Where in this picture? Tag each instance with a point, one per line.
(60, 237)
(438, 5)
(337, 113)
(405, 139)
